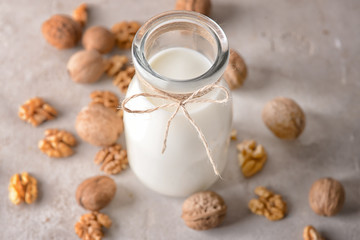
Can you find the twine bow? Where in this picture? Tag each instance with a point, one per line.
(180, 101)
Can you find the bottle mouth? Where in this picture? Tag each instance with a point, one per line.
(180, 29)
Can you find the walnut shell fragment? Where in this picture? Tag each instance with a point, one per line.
(284, 117)
(95, 193)
(98, 38)
(99, 125)
(204, 210)
(200, 6)
(61, 31)
(326, 197)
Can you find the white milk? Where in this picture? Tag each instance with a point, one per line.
(184, 168)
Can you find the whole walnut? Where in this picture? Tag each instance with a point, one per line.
(284, 117)
(326, 196)
(204, 210)
(95, 193)
(86, 66)
(61, 31)
(98, 38)
(200, 6)
(99, 125)
(236, 71)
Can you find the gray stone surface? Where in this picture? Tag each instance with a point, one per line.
(306, 50)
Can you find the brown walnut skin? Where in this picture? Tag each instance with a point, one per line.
(326, 197)
(61, 31)
(98, 38)
(284, 117)
(200, 6)
(96, 193)
(99, 125)
(86, 66)
(236, 71)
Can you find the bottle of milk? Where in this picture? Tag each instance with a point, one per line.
(178, 53)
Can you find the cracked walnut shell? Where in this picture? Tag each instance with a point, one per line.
(106, 98)
(124, 33)
(23, 188)
(36, 111)
(251, 157)
(310, 233)
(89, 227)
(204, 210)
(284, 117)
(123, 78)
(57, 143)
(270, 205)
(113, 159)
(236, 71)
(61, 31)
(201, 6)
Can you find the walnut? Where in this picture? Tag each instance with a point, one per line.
(326, 196)
(310, 233)
(57, 143)
(89, 227)
(80, 14)
(125, 33)
(201, 6)
(236, 71)
(251, 157)
(36, 111)
(270, 205)
(115, 64)
(123, 78)
(61, 31)
(22, 188)
(284, 117)
(86, 66)
(233, 134)
(95, 193)
(99, 125)
(113, 159)
(98, 38)
(204, 210)
(106, 98)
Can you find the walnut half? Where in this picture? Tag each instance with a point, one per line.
(113, 159)
(57, 143)
(22, 188)
(89, 227)
(310, 233)
(36, 111)
(252, 157)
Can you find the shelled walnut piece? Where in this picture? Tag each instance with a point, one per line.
(36, 111)
(123, 78)
(57, 143)
(22, 188)
(310, 233)
(89, 227)
(106, 98)
(125, 33)
(252, 157)
(80, 14)
(115, 64)
(113, 159)
(233, 134)
(270, 205)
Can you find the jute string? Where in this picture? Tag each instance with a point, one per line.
(179, 101)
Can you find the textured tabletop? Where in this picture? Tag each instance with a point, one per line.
(306, 50)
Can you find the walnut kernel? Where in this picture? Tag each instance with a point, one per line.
(23, 188)
(236, 71)
(310, 233)
(113, 159)
(57, 143)
(115, 64)
(251, 157)
(201, 6)
(61, 31)
(233, 134)
(86, 66)
(98, 38)
(80, 14)
(270, 205)
(326, 196)
(106, 98)
(123, 78)
(125, 33)
(284, 117)
(36, 111)
(89, 227)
